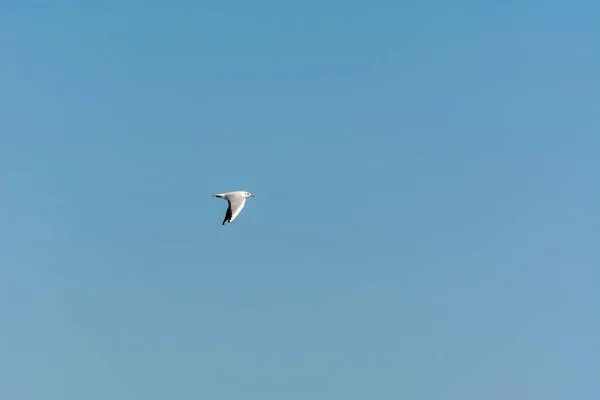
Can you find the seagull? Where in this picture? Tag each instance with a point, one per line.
(236, 201)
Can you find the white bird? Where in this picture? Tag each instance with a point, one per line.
(236, 201)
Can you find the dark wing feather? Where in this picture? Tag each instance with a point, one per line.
(228, 213)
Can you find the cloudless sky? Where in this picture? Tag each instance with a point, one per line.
(426, 218)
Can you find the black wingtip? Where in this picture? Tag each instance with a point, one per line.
(227, 213)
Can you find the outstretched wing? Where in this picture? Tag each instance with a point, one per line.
(235, 206)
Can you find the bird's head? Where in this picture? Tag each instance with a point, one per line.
(247, 194)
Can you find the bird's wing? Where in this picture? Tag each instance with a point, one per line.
(236, 203)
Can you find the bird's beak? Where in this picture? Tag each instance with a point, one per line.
(251, 195)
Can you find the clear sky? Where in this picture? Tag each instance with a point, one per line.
(425, 224)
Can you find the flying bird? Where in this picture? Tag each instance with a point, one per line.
(236, 201)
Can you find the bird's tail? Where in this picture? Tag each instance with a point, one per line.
(219, 195)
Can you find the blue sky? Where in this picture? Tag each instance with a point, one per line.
(426, 216)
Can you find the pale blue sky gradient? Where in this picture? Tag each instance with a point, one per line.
(426, 217)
